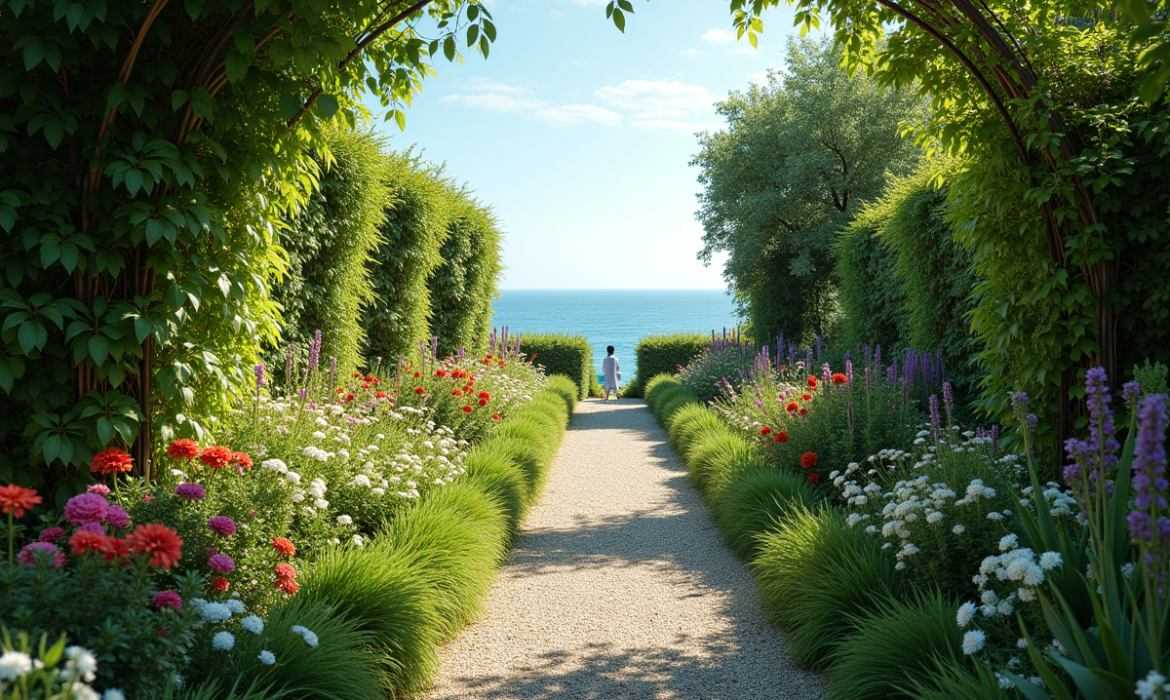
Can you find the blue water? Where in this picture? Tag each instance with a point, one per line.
(614, 317)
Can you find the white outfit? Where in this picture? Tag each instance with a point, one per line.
(609, 368)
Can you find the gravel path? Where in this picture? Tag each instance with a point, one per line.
(620, 587)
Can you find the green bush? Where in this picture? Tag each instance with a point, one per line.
(558, 353)
(675, 400)
(563, 386)
(493, 469)
(756, 501)
(329, 245)
(664, 354)
(464, 284)
(688, 422)
(815, 573)
(872, 303)
(959, 680)
(713, 454)
(893, 645)
(657, 384)
(416, 226)
(388, 598)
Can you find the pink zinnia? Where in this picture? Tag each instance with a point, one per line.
(92, 528)
(29, 554)
(167, 599)
(191, 492)
(86, 508)
(221, 563)
(118, 517)
(52, 534)
(101, 489)
(222, 525)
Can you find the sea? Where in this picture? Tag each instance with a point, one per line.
(616, 317)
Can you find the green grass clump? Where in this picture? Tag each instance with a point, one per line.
(494, 470)
(687, 421)
(960, 680)
(816, 573)
(539, 431)
(562, 386)
(677, 400)
(712, 454)
(387, 597)
(456, 537)
(656, 385)
(894, 644)
(756, 500)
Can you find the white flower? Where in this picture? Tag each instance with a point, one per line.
(1008, 542)
(275, 465)
(267, 658)
(253, 624)
(1034, 576)
(309, 637)
(215, 612)
(321, 503)
(318, 435)
(14, 664)
(113, 694)
(378, 491)
(958, 529)
(84, 692)
(934, 517)
(81, 665)
(344, 520)
(1051, 560)
(223, 641)
(994, 516)
(197, 603)
(853, 519)
(357, 540)
(965, 615)
(361, 480)
(235, 605)
(1148, 687)
(1021, 643)
(297, 497)
(973, 641)
(871, 529)
(1004, 682)
(293, 478)
(1026, 595)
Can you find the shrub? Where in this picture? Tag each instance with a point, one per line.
(674, 400)
(712, 454)
(387, 597)
(655, 385)
(659, 354)
(413, 234)
(493, 469)
(755, 501)
(558, 353)
(528, 458)
(894, 645)
(723, 366)
(872, 302)
(816, 573)
(463, 285)
(687, 422)
(563, 387)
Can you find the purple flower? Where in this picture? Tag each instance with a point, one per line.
(1032, 421)
(935, 419)
(259, 375)
(222, 525)
(118, 517)
(288, 363)
(332, 369)
(52, 534)
(948, 400)
(1130, 390)
(221, 563)
(92, 528)
(191, 492)
(315, 351)
(1149, 454)
(849, 371)
(41, 550)
(1019, 402)
(86, 508)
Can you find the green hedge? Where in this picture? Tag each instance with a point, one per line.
(657, 354)
(426, 576)
(559, 353)
(463, 286)
(873, 306)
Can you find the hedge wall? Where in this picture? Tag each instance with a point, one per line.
(558, 353)
(464, 284)
(872, 303)
(658, 354)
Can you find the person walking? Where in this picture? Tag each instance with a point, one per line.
(612, 372)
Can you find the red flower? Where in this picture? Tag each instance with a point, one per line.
(111, 461)
(812, 382)
(440, 373)
(467, 409)
(284, 571)
(803, 411)
(839, 378)
(419, 390)
(783, 368)
(114, 548)
(814, 478)
(340, 389)
(485, 396)
(418, 374)
(166, 599)
(17, 499)
(357, 375)
(183, 449)
(242, 459)
(806, 397)
(216, 456)
(765, 430)
(495, 416)
(85, 541)
(456, 392)
(366, 385)
(350, 397)
(219, 583)
(792, 406)
(283, 546)
(483, 402)
(808, 460)
(159, 541)
(781, 437)
(370, 378)
(287, 585)
(379, 394)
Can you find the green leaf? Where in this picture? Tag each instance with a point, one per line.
(105, 430)
(327, 105)
(7, 217)
(99, 349)
(235, 65)
(142, 329)
(472, 12)
(619, 21)
(202, 104)
(27, 337)
(449, 48)
(489, 29)
(472, 34)
(34, 53)
(54, 131)
(290, 105)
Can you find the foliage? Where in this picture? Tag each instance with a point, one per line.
(149, 152)
(725, 362)
(688, 423)
(558, 353)
(1151, 377)
(756, 501)
(799, 156)
(463, 286)
(492, 469)
(664, 353)
(873, 304)
(51, 671)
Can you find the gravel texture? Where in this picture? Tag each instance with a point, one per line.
(620, 587)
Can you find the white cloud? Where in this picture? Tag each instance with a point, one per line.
(657, 99)
(497, 102)
(720, 36)
(485, 85)
(690, 52)
(501, 97)
(675, 125)
(572, 115)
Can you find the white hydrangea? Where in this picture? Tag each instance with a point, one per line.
(267, 658)
(14, 664)
(344, 520)
(253, 624)
(235, 605)
(215, 612)
(973, 641)
(223, 641)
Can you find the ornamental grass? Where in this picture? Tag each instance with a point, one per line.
(756, 501)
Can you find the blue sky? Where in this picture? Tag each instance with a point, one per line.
(579, 136)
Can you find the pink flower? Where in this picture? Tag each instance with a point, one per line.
(93, 528)
(166, 599)
(118, 517)
(52, 534)
(191, 492)
(100, 489)
(86, 508)
(221, 563)
(222, 525)
(31, 552)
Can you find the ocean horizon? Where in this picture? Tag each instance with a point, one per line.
(617, 317)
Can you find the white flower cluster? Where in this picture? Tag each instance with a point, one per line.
(309, 638)
(1152, 687)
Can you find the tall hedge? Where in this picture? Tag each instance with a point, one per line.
(559, 353)
(329, 247)
(417, 224)
(658, 354)
(873, 303)
(464, 284)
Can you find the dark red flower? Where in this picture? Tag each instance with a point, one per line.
(216, 456)
(495, 416)
(803, 411)
(167, 599)
(808, 460)
(483, 402)
(792, 406)
(765, 430)
(287, 585)
(467, 409)
(485, 396)
(111, 461)
(84, 541)
(806, 397)
(456, 392)
(241, 459)
(183, 449)
(839, 378)
(781, 437)
(419, 390)
(379, 394)
(814, 478)
(159, 541)
(284, 571)
(113, 548)
(219, 583)
(812, 382)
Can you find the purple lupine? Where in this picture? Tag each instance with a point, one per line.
(868, 355)
(259, 375)
(1149, 454)
(877, 357)
(1019, 403)
(808, 359)
(826, 377)
(332, 369)
(1130, 392)
(935, 419)
(492, 343)
(948, 401)
(849, 372)
(315, 351)
(1100, 416)
(462, 354)
(890, 374)
(434, 347)
(1032, 422)
(867, 381)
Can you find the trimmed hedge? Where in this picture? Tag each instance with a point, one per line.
(559, 353)
(423, 578)
(463, 286)
(659, 354)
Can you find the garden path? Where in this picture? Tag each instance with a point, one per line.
(619, 587)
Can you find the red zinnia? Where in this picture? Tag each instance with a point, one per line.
(350, 397)
(803, 411)
(792, 406)
(242, 459)
(219, 583)
(839, 378)
(783, 368)
(283, 546)
(483, 402)
(159, 541)
(183, 449)
(781, 437)
(467, 409)
(806, 397)
(216, 456)
(287, 585)
(284, 571)
(17, 499)
(356, 375)
(456, 392)
(419, 390)
(110, 461)
(765, 430)
(808, 460)
(366, 385)
(114, 548)
(814, 478)
(85, 541)
(379, 394)
(812, 382)
(485, 396)
(495, 416)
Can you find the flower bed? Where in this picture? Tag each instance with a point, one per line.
(336, 535)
